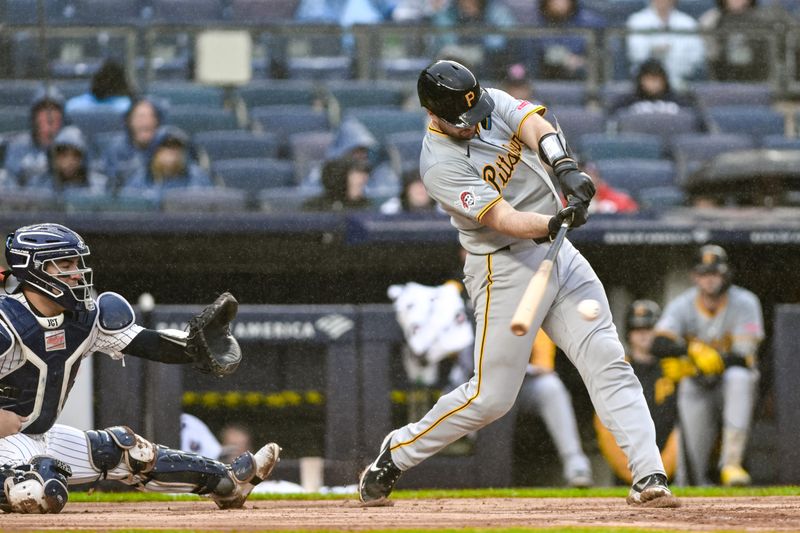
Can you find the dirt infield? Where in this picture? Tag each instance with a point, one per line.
(772, 513)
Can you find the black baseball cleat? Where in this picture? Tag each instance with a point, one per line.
(378, 479)
(652, 491)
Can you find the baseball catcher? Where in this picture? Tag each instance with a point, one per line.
(50, 321)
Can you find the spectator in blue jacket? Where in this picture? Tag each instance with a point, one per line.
(170, 164)
(26, 155)
(109, 89)
(69, 166)
(128, 152)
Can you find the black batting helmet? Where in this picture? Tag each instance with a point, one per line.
(712, 258)
(452, 92)
(642, 314)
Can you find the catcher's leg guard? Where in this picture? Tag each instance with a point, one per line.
(37, 487)
(113, 446)
(248, 470)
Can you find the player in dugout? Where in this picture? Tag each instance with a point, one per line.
(50, 321)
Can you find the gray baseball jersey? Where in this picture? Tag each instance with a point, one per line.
(467, 178)
(737, 327)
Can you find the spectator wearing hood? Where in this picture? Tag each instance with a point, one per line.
(69, 165)
(127, 152)
(27, 153)
(653, 92)
(343, 181)
(170, 163)
(109, 89)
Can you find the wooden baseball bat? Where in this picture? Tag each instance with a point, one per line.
(526, 309)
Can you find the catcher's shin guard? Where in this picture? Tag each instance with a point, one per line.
(37, 487)
(112, 446)
(249, 470)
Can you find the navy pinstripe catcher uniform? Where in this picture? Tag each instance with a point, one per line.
(49, 323)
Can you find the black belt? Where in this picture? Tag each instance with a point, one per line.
(539, 240)
(12, 393)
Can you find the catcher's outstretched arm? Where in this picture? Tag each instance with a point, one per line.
(155, 346)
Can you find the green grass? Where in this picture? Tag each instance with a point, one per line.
(602, 492)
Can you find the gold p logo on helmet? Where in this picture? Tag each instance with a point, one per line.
(469, 97)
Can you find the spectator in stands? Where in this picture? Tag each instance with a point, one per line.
(69, 165)
(342, 12)
(487, 52)
(343, 182)
(236, 439)
(737, 55)
(109, 89)
(417, 11)
(563, 57)
(607, 199)
(653, 92)
(517, 83)
(26, 155)
(128, 152)
(413, 197)
(682, 55)
(170, 164)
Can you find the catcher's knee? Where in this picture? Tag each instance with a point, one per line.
(37, 487)
(118, 445)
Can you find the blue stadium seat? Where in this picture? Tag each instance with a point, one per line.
(560, 93)
(615, 12)
(404, 149)
(704, 146)
(94, 121)
(402, 68)
(26, 199)
(624, 145)
(613, 91)
(237, 144)
(86, 200)
(780, 142)
(284, 120)
(320, 68)
(284, 199)
(206, 199)
(187, 94)
(186, 11)
(254, 174)
(633, 175)
(262, 11)
(664, 124)
(754, 120)
(718, 93)
(578, 120)
(277, 92)
(18, 92)
(381, 121)
(22, 12)
(308, 149)
(93, 12)
(15, 119)
(193, 119)
(657, 198)
(366, 93)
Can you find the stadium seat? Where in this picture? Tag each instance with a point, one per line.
(349, 94)
(657, 198)
(695, 8)
(320, 68)
(721, 93)
(613, 91)
(15, 119)
(96, 12)
(381, 121)
(560, 93)
(615, 12)
(664, 124)
(754, 120)
(237, 144)
(18, 92)
(22, 12)
(624, 145)
(26, 199)
(284, 199)
(277, 92)
(634, 175)
(206, 199)
(578, 120)
(262, 11)
(186, 11)
(691, 150)
(187, 94)
(404, 149)
(284, 120)
(193, 119)
(85, 200)
(780, 142)
(254, 174)
(308, 149)
(94, 121)
(402, 68)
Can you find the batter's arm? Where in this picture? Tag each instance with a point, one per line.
(533, 128)
(503, 218)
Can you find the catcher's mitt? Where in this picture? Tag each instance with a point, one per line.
(210, 343)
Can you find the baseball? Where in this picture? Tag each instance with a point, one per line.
(589, 309)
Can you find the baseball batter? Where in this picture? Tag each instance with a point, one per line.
(719, 326)
(482, 161)
(48, 324)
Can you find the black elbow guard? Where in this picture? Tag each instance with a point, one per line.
(664, 346)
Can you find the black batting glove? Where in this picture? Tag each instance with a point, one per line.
(576, 212)
(573, 181)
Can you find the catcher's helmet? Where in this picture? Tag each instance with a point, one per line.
(711, 258)
(642, 314)
(451, 92)
(29, 249)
